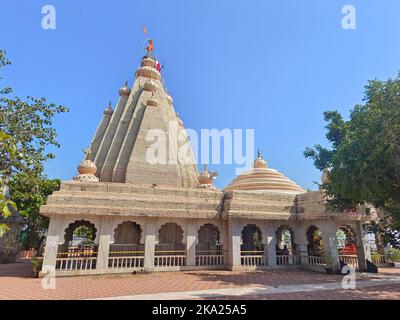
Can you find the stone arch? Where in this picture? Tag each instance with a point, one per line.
(285, 240)
(170, 238)
(72, 227)
(348, 243)
(208, 234)
(208, 239)
(251, 238)
(127, 232)
(68, 233)
(314, 239)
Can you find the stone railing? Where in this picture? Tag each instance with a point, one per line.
(313, 261)
(76, 263)
(210, 260)
(253, 258)
(351, 260)
(287, 260)
(77, 258)
(126, 262)
(169, 261)
(126, 256)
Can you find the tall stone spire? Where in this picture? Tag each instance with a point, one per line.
(130, 145)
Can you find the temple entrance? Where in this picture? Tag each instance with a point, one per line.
(79, 251)
(252, 248)
(315, 246)
(209, 250)
(285, 246)
(347, 246)
(170, 250)
(126, 251)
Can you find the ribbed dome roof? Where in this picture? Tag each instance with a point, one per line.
(262, 178)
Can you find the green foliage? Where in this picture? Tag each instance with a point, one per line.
(394, 255)
(7, 149)
(84, 232)
(329, 261)
(26, 131)
(29, 124)
(37, 264)
(364, 157)
(29, 190)
(376, 258)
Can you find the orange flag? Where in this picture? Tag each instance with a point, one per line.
(150, 46)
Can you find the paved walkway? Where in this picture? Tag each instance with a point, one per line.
(16, 283)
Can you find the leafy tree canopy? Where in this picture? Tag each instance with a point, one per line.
(364, 158)
(26, 131)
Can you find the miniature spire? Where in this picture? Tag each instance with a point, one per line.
(87, 169)
(259, 162)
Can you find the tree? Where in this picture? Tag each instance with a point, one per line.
(29, 190)
(7, 150)
(26, 131)
(363, 161)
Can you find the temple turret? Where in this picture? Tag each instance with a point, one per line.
(124, 146)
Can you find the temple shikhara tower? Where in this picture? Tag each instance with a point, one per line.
(129, 210)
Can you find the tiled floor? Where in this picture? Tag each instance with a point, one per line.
(16, 283)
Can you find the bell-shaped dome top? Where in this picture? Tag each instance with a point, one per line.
(125, 90)
(150, 85)
(87, 169)
(262, 178)
(109, 110)
(152, 102)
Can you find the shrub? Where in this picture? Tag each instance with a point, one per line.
(394, 255)
(376, 258)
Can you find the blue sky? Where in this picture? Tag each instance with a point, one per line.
(274, 66)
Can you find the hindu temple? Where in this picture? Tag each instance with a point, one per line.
(122, 213)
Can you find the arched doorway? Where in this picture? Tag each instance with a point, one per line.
(208, 249)
(79, 234)
(170, 250)
(347, 246)
(170, 239)
(127, 238)
(79, 251)
(285, 241)
(285, 246)
(252, 239)
(315, 246)
(208, 236)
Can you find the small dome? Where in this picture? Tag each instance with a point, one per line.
(206, 179)
(152, 102)
(125, 90)
(147, 61)
(262, 178)
(109, 110)
(87, 167)
(150, 85)
(148, 72)
(86, 172)
(259, 162)
(169, 98)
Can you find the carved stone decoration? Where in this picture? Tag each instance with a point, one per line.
(148, 62)
(87, 169)
(206, 179)
(148, 72)
(125, 90)
(151, 86)
(152, 102)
